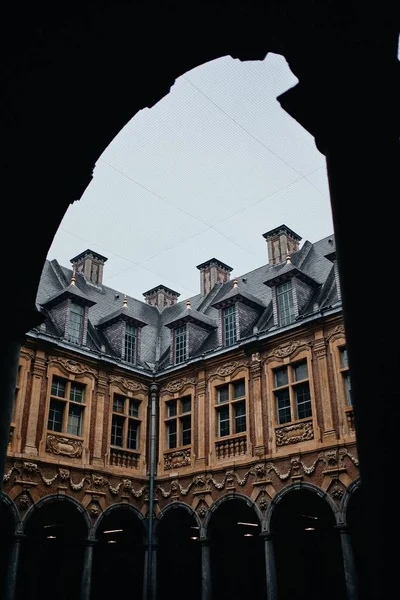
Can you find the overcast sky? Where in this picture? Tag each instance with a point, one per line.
(204, 173)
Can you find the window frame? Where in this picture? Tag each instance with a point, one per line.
(75, 339)
(289, 391)
(180, 345)
(67, 404)
(127, 419)
(176, 421)
(227, 338)
(128, 337)
(286, 313)
(231, 404)
(344, 370)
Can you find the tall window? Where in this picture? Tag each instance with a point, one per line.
(229, 325)
(178, 422)
(130, 343)
(75, 323)
(231, 408)
(180, 344)
(292, 393)
(344, 369)
(67, 405)
(284, 296)
(125, 422)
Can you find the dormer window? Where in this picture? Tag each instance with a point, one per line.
(286, 311)
(229, 325)
(75, 323)
(180, 346)
(130, 343)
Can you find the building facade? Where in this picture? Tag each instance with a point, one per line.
(201, 448)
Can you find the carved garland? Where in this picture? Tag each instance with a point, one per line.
(72, 366)
(177, 385)
(132, 386)
(287, 349)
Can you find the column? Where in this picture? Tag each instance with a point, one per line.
(86, 582)
(256, 397)
(38, 373)
(99, 422)
(201, 417)
(270, 568)
(9, 357)
(150, 585)
(206, 589)
(348, 563)
(12, 569)
(319, 349)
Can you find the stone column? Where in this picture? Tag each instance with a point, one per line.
(206, 589)
(270, 568)
(256, 397)
(38, 373)
(150, 587)
(9, 357)
(348, 563)
(328, 433)
(201, 417)
(99, 423)
(10, 584)
(86, 582)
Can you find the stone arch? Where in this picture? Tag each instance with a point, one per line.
(353, 487)
(266, 525)
(10, 504)
(117, 507)
(58, 498)
(174, 506)
(228, 497)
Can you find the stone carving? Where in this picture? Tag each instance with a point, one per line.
(176, 386)
(30, 467)
(226, 369)
(27, 353)
(64, 474)
(72, 366)
(175, 460)
(339, 331)
(24, 501)
(64, 446)
(202, 511)
(133, 386)
(98, 480)
(286, 349)
(337, 492)
(293, 434)
(264, 502)
(49, 481)
(94, 510)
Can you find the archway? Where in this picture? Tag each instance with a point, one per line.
(356, 521)
(52, 552)
(7, 528)
(237, 551)
(179, 555)
(307, 548)
(118, 558)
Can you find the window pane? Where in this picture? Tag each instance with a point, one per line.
(119, 404)
(75, 323)
(300, 371)
(283, 406)
(239, 389)
(171, 434)
(130, 344)
(284, 294)
(223, 394)
(134, 408)
(223, 421)
(55, 415)
(117, 431)
(171, 408)
(133, 430)
(180, 345)
(75, 419)
(58, 387)
(347, 387)
(240, 417)
(186, 429)
(77, 392)
(281, 377)
(186, 404)
(303, 401)
(344, 361)
(229, 325)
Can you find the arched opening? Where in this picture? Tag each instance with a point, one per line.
(356, 521)
(118, 557)
(179, 556)
(52, 553)
(237, 553)
(307, 548)
(7, 528)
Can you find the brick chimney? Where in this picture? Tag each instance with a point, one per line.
(211, 272)
(281, 241)
(90, 265)
(161, 296)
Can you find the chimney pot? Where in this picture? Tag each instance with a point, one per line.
(211, 272)
(282, 242)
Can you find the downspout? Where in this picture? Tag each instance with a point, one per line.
(150, 587)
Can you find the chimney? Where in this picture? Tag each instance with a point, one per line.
(282, 242)
(161, 296)
(211, 272)
(90, 265)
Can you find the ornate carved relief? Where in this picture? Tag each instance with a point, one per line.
(227, 368)
(202, 510)
(176, 386)
(27, 353)
(72, 366)
(24, 501)
(287, 349)
(64, 446)
(293, 434)
(175, 460)
(339, 331)
(132, 386)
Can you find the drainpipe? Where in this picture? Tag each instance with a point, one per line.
(150, 584)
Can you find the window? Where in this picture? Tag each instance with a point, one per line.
(344, 369)
(75, 323)
(130, 344)
(125, 422)
(67, 405)
(180, 344)
(284, 296)
(292, 393)
(231, 408)
(178, 422)
(229, 325)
